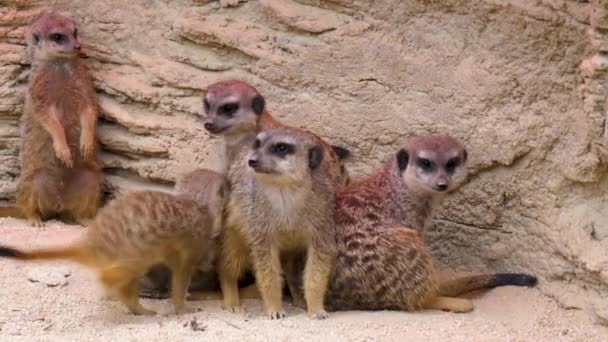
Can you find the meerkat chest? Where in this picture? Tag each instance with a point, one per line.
(286, 205)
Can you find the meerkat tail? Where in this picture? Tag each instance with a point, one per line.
(75, 253)
(12, 211)
(457, 286)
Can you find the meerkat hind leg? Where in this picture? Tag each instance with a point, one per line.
(459, 305)
(126, 283)
(182, 269)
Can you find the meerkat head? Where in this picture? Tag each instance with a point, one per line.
(285, 157)
(53, 36)
(232, 107)
(435, 164)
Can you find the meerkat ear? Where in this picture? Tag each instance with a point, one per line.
(257, 104)
(343, 153)
(315, 157)
(465, 155)
(35, 38)
(402, 159)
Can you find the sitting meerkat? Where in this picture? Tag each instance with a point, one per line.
(286, 200)
(384, 264)
(141, 229)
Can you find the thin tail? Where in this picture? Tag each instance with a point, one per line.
(457, 286)
(11, 211)
(75, 253)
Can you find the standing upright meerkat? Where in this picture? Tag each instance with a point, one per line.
(286, 199)
(139, 230)
(236, 111)
(60, 173)
(383, 262)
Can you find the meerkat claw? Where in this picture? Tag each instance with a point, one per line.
(321, 315)
(277, 315)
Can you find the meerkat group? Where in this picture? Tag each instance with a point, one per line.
(283, 207)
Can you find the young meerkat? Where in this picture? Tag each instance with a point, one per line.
(286, 198)
(236, 111)
(60, 173)
(202, 186)
(136, 231)
(382, 263)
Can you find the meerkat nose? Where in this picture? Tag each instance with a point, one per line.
(209, 126)
(253, 163)
(441, 186)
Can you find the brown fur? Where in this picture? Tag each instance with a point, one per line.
(202, 186)
(383, 264)
(60, 173)
(286, 203)
(239, 130)
(135, 232)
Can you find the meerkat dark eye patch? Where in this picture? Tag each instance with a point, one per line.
(257, 104)
(402, 159)
(452, 164)
(206, 105)
(315, 157)
(282, 149)
(425, 164)
(341, 152)
(57, 37)
(228, 109)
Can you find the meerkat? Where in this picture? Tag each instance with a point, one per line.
(135, 232)
(381, 262)
(236, 111)
(60, 173)
(286, 198)
(202, 186)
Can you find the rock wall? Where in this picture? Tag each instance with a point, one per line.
(523, 83)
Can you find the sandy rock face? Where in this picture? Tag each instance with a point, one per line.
(522, 83)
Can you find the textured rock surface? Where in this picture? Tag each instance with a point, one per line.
(523, 83)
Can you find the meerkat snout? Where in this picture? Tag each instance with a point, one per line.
(253, 163)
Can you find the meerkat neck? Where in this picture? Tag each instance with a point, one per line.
(234, 145)
(411, 206)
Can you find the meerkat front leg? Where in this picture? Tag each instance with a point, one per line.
(88, 122)
(267, 265)
(319, 265)
(52, 124)
(230, 267)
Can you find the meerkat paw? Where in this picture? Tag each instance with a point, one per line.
(237, 310)
(319, 315)
(64, 154)
(36, 222)
(277, 315)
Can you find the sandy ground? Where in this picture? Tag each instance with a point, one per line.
(33, 311)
